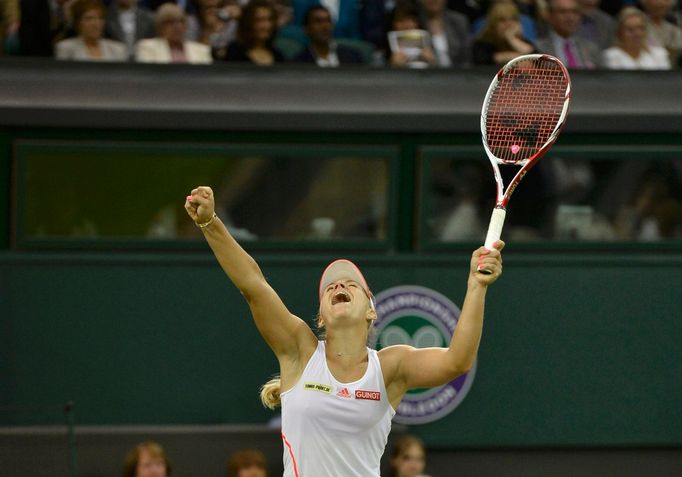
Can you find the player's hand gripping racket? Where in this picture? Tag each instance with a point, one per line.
(523, 112)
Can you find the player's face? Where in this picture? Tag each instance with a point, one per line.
(345, 299)
(410, 463)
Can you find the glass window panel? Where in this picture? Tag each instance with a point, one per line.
(137, 193)
(565, 197)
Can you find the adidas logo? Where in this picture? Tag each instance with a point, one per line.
(344, 393)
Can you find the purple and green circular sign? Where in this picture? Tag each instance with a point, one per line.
(422, 318)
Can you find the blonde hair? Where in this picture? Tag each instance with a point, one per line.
(168, 11)
(497, 12)
(270, 393)
(133, 457)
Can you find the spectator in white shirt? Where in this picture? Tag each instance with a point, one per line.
(660, 31)
(170, 45)
(631, 51)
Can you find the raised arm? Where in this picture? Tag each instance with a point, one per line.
(284, 332)
(408, 367)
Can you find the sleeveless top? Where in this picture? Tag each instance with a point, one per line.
(334, 429)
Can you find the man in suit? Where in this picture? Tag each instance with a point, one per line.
(128, 23)
(596, 25)
(323, 51)
(450, 33)
(563, 40)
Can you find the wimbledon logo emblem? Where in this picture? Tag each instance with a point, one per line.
(420, 317)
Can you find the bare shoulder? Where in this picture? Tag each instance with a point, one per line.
(391, 357)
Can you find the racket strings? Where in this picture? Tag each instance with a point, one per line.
(524, 109)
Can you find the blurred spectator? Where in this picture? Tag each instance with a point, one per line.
(373, 21)
(188, 6)
(43, 23)
(345, 15)
(255, 35)
(322, 50)
(286, 26)
(218, 24)
(654, 212)
(535, 9)
(170, 45)
(190, 9)
(596, 25)
(563, 40)
(631, 51)
(472, 9)
(449, 33)
(501, 39)
(285, 13)
(461, 207)
(90, 45)
(247, 463)
(660, 31)
(128, 23)
(528, 28)
(9, 23)
(408, 458)
(147, 459)
(405, 17)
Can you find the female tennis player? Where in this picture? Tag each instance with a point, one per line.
(338, 396)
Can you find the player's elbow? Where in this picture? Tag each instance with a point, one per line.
(460, 367)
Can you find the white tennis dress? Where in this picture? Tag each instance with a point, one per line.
(334, 429)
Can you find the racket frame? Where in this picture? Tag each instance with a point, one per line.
(502, 195)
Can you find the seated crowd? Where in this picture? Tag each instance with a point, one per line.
(584, 34)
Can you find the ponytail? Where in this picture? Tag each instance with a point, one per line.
(269, 393)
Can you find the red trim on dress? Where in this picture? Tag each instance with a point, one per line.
(291, 454)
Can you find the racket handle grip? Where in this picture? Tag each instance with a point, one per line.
(495, 227)
(494, 231)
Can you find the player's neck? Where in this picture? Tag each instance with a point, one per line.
(339, 346)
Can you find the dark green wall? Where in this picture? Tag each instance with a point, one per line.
(581, 347)
(577, 351)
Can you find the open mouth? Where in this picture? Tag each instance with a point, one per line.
(340, 297)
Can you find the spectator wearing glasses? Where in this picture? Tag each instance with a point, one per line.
(170, 46)
(563, 39)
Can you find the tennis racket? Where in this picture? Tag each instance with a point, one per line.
(523, 112)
